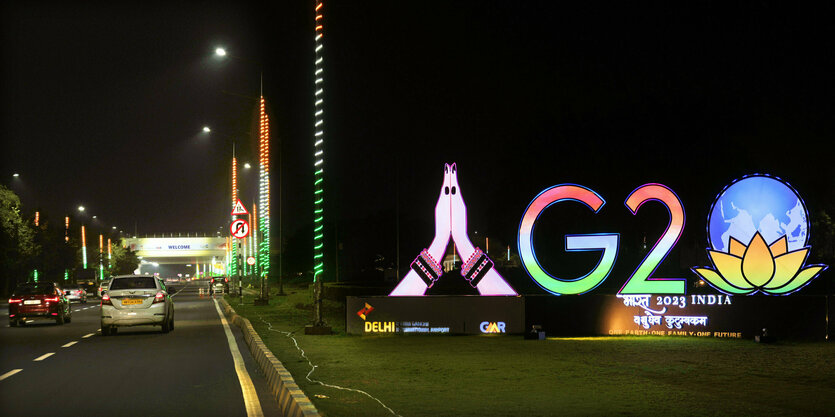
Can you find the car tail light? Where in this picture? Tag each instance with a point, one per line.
(15, 300)
(53, 299)
(78, 292)
(160, 297)
(105, 300)
(226, 280)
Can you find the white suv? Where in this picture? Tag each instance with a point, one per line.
(136, 300)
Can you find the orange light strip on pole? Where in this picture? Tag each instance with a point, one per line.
(234, 181)
(37, 218)
(67, 229)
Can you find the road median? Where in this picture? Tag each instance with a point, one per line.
(291, 400)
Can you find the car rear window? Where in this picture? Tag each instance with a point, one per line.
(133, 282)
(34, 289)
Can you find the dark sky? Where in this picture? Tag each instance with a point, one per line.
(103, 104)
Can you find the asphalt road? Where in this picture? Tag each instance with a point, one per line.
(74, 370)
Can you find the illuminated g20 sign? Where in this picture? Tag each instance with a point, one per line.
(758, 231)
(640, 281)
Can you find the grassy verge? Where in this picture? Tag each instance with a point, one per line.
(423, 375)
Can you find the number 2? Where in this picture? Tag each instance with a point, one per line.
(640, 282)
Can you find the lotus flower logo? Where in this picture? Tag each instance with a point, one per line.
(758, 231)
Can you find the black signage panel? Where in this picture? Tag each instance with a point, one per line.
(435, 315)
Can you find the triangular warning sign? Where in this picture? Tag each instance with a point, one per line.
(239, 209)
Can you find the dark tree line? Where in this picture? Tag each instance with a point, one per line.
(46, 248)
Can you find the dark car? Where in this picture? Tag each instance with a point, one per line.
(38, 301)
(219, 285)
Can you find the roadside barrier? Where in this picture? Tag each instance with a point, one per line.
(291, 399)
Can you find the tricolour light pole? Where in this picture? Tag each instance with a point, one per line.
(264, 196)
(318, 326)
(83, 242)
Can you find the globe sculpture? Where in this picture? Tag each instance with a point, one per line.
(758, 230)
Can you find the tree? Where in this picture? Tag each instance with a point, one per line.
(124, 260)
(17, 241)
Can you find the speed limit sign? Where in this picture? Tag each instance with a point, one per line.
(239, 228)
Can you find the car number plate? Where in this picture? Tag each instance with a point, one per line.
(30, 302)
(131, 301)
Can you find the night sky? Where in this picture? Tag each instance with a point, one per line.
(103, 105)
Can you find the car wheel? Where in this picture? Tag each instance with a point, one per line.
(69, 318)
(12, 323)
(60, 319)
(166, 327)
(171, 323)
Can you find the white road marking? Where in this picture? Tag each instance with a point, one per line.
(88, 335)
(10, 373)
(43, 357)
(69, 344)
(253, 406)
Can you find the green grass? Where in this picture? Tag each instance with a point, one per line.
(425, 375)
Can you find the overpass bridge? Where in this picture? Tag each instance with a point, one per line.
(206, 254)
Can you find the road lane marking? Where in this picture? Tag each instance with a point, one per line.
(253, 406)
(43, 357)
(88, 335)
(69, 344)
(10, 373)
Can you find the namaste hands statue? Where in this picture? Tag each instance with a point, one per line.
(451, 222)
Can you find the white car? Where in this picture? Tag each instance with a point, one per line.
(136, 300)
(102, 286)
(75, 293)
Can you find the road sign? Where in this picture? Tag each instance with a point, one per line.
(239, 228)
(239, 209)
(250, 261)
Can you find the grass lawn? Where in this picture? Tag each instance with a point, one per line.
(430, 375)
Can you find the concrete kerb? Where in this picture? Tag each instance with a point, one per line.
(291, 399)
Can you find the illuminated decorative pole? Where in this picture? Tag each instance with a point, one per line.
(318, 167)
(83, 248)
(109, 254)
(233, 266)
(253, 225)
(101, 256)
(66, 240)
(264, 195)
(37, 223)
